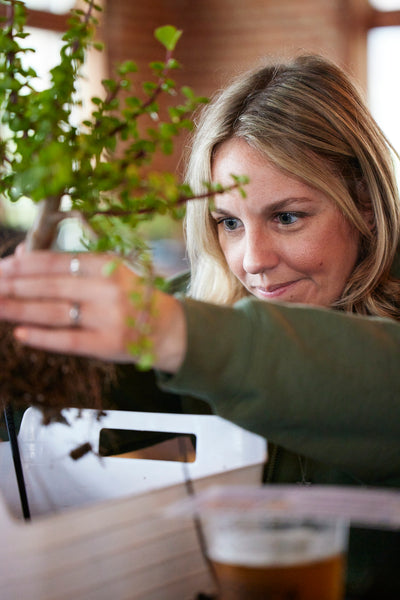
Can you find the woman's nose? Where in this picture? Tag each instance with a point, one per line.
(260, 254)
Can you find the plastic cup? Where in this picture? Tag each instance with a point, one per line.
(285, 558)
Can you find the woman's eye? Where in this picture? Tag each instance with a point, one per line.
(229, 224)
(287, 218)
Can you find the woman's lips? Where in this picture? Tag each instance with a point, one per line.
(274, 291)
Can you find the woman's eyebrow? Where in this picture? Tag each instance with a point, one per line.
(220, 211)
(279, 205)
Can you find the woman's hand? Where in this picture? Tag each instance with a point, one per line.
(69, 304)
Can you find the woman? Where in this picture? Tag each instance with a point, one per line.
(290, 324)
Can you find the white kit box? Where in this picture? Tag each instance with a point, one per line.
(97, 530)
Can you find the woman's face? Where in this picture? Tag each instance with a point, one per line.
(286, 240)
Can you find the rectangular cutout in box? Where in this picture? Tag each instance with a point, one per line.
(147, 445)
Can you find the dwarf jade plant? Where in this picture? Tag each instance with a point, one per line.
(102, 166)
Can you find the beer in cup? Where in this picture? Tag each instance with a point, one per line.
(278, 558)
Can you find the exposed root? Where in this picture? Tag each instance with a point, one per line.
(50, 381)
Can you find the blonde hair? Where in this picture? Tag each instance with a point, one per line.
(308, 119)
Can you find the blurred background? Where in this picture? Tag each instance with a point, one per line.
(221, 38)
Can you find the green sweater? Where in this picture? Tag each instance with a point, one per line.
(323, 387)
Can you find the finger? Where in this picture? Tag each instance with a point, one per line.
(74, 341)
(54, 263)
(54, 315)
(36, 312)
(20, 249)
(97, 289)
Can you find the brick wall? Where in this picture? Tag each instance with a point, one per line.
(222, 37)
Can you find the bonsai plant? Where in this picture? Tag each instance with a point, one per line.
(102, 167)
(99, 170)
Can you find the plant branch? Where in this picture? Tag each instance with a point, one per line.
(86, 21)
(43, 232)
(180, 201)
(145, 105)
(157, 91)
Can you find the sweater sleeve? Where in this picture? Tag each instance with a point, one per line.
(319, 382)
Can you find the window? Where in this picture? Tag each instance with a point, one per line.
(47, 44)
(385, 4)
(53, 6)
(383, 52)
(384, 80)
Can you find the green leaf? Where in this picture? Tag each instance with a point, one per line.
(173, 64)
(110, 267)
(146, 362)
(149, 87)
(110, 85)
(168, 36)
(129, 66)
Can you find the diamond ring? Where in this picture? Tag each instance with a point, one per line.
(75, 266)
(75, 314)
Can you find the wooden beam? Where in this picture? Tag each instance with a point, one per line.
(42, 19)
(381, 18)
(46, 20)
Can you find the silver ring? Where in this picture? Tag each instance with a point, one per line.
(75, 266)
(75, 314)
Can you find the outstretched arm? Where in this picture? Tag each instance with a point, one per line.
(320, 382)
